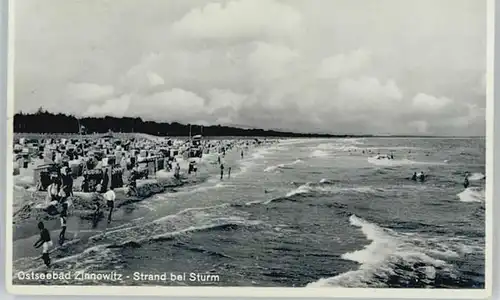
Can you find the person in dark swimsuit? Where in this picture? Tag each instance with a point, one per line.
(414, 177)
(221, 171)
(44, 241)
(63, 216)
(421, 176)
(67, 183)
(466, 181)
(104, 182)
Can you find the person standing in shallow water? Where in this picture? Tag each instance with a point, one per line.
(228, 172)
(466, 180)
(177, 171)
(45, 242)
(221, 171)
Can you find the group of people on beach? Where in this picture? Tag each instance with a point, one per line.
(109, 196)
(221, 164)
(59, 194)
(60, 191)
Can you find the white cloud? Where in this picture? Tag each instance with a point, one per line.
(292, 64)
(430, 104)
(220, 99)
(173, 105)
(89, 91)
(141, 76)
(270, 61)
(474, 114)
(343, 64)
(115, 107)
(368, 93)
(155, 79)
(239, 19)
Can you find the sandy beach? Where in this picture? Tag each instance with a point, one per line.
(29, 205)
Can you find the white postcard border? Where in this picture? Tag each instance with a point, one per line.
(246, 292)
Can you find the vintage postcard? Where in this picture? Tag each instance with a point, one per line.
(267, 148)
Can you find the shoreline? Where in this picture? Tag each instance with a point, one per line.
(127, 208)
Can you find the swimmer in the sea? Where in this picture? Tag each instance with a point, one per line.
(414, 177)
(421, 176)
(466, 180)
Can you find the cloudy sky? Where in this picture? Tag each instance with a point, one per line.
(337, 66)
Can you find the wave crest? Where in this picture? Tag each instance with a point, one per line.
(472, 194)
(393, 259)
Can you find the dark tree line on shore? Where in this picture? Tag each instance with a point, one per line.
(46, 122)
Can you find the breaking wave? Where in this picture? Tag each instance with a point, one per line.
(282, 166)
(395, 259)
(385, 162)
(323, 187)
(472, 194)
(319, 153)
(186, 221)
(476, 176)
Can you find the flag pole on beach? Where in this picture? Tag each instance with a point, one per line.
(201, 144)
(79, 129)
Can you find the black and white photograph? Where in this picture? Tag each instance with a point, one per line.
(292, 144)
